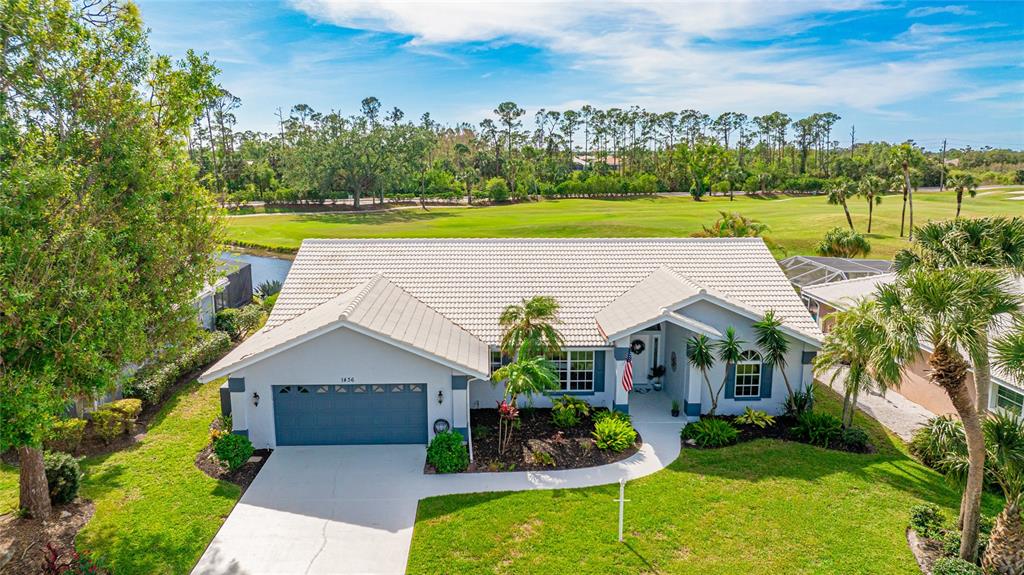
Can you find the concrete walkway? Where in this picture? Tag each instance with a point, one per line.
(895, 412)
(351, 509)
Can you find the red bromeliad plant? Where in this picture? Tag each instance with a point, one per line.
(508, 413)
(56, 562)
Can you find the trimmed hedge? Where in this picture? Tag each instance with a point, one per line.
(240, 322)
(66, 435)
(62, 476)
(152, 382)
(233, 450)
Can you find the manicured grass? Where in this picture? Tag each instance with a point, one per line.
(8, 488)
(759, 507)
(155, 512)
(797, 224)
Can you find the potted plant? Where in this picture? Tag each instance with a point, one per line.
(655, 375)
(675, 408)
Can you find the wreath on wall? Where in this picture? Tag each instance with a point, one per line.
(637, 346)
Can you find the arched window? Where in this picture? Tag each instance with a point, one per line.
(748, 375)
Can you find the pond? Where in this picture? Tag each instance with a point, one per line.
(265, 266)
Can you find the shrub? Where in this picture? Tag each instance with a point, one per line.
(268, 288)
(268, 302)
(108, 424)
(543, 458)
(755, 417)
(66, 435)
(926, 520)
(233, 450)
(62, 476)
(614, 433)
(56, 562)
(447, 453)
(567, 411)
(937, 439)
(604, 414)
(240, 322)
(481, 432)
(854, 439)
(821, 429)
(710, 432)
(497, 189)
(564, 418)
(152, 382)
(800, 401)
(955, 566)
(130, 408)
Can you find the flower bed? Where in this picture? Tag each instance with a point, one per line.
(538, 444)
(787, 428)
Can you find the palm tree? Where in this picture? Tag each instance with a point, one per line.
(525, 376)
(529, 328)
(902, 156)
(773, 343)
(872, 188)
(1010, 352)
(700, 355)
(729, 350)
(1004, 442)
(732, 225)
(853, 349)
(947, 309)
(980, 242)
(843, 243)
(839, 191)
(962, 182)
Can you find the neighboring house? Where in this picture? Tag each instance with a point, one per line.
(586, 161)
(389, 341)
(805, 271)
(1006, 393)
(233, 289)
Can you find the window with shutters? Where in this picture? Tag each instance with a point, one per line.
(748, 375)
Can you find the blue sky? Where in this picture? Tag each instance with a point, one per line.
(895, 70)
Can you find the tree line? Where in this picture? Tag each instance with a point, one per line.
(379, 154)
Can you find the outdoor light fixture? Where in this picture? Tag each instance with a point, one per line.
(256, 399)
(440, 396)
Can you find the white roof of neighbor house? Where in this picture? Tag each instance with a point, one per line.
(470, 281)
(377, 308)
(844, 293)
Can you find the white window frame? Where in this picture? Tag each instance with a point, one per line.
(567, 364)
(1000, 389)
(495, 360)
(751, 382)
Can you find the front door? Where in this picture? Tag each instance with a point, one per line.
(642, 359)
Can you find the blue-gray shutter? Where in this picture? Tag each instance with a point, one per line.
(767, 369)
(599, 370)
(730, 381)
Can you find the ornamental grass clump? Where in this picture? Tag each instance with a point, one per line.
(614, 434)
(711, 432)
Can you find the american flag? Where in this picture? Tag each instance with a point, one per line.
(627, 374)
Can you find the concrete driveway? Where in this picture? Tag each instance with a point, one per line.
(351, 509)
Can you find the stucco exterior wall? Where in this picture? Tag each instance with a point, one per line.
(327, 360)
(676, 376)
(721, 319)
(917, 388)
(485, 395)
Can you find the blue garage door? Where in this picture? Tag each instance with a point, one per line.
(350, 414)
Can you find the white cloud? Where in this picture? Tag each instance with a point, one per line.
(922, 11)
(673, 55)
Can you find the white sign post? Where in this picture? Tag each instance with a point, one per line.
(622, 504)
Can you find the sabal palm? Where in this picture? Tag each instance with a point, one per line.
(948, 309)
(729, 350)
(839, 191)
(1010, 352)
(854, 350)
(962, 182)
(529, 328)
(843, 243)
(700, 355)
(774, 344)
(733, 225)
(1004, 442)
(872, 188)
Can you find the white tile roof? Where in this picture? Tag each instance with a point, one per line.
(645, 301)
(379, 309)
(842, 294)
(470, 281)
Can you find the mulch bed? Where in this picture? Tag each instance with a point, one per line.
(23, 541)
(208, 463)
(569, 448)
(781, 430)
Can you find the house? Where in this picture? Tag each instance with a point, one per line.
(232, 289)
(1006, 393)
(588, 161)
(392, 340)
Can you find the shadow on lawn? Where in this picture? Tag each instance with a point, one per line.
(376, 218)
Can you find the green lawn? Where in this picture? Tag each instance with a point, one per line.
(8, 488)
(758, 507)
(796, 223)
